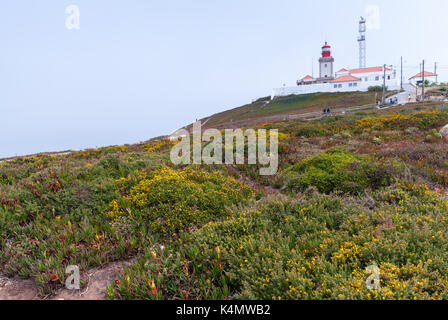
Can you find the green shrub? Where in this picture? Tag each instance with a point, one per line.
(346, 135)
(337, 169)
(377, 140)
(376, 88)
(310, 131)
(411, 130)
(436, 134)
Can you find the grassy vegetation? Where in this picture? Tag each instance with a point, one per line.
(314, 247)
(367, 188)
(52, 211)
(293, 104)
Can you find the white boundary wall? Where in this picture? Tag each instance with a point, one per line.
(329, 87)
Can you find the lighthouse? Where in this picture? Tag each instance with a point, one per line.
(326, 64)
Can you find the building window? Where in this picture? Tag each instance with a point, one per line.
(355, 84)
(388, 77)
(340, 85)
(367, 78)
(377, 78)
(350, 84)
(335, 86)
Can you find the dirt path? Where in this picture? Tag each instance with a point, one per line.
(17, 289)
(307, 116)
(97, 281)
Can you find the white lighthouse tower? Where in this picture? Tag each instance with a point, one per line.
(326, 62)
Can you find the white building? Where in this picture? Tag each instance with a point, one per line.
(418, 78)
(344, 80)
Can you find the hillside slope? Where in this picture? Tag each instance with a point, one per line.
(264, 110)
(368, 188)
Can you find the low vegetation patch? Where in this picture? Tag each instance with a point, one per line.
(167, 201)
(338, 170)
(313, 248)
(423, 119)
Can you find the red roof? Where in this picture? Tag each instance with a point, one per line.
(427, 74)
(308, 77)
(368, 70)
(343, 70)
(326, 45)
(346, 79)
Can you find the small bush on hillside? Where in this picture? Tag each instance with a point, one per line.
(346, 135)
(169, 200)
(375, 88)
(377, 140)
(337, 170)
(411, 130)
(310, 131)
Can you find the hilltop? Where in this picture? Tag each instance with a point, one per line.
(306, 106)
(368, 187)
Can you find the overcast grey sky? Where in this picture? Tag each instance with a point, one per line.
(140, 68)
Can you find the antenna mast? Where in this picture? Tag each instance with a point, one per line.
(362, 43)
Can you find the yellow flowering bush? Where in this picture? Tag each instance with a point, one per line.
(158, 145)
(170, 200)
(396, 120)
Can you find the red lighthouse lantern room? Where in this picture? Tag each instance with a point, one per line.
(326, 50)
